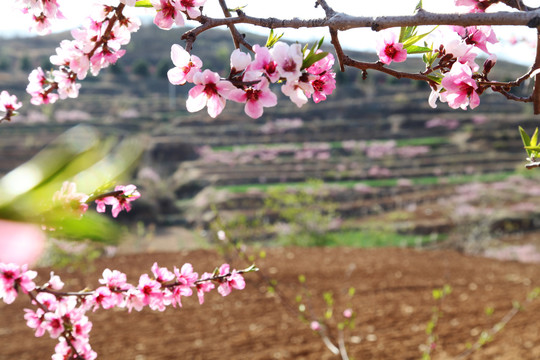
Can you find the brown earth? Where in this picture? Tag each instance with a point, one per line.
(393, 303)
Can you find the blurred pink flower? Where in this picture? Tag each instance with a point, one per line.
(20, 243)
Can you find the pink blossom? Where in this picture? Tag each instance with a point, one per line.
(14, 277)
(460, 87)
(161, 274)
(128, 2)
(191, 7)
(289, 60)
(347, 313)
(48, 300)
(233, 281)
(322, 66)
(55, 282)
(39, 88)
(323, 85)
(209, 91)
(186, 66)
(104, 297)
(315, 326)
(114, 279)
(474, 5)
(462, 52)
(255, 97)
(119, 202)
(71, 55)
(186, 280)
(167, 14)
(239, 60)
(264, 64)
(389, 49)
(34, 320)
(9, 103)
(20, 243)
(298, 91)
(204, 286)
(150, 291)
(70, 199)
(478, 36)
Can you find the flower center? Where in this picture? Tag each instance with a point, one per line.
(390, 51)
(289, 65)
(270, 68)
(318, 85)
(252, 94)
(210, 89)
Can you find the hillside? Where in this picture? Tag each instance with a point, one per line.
(376, 143)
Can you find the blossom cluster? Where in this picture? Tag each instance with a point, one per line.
(169, 12)
(120, 199)
(455, 77)
(42, 13)
(96, 45)
(9, 105)
(249, 80)
(62, 314)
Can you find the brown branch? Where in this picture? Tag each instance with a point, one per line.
(339, 50)
(341, 21)
(235, 34)
(379, 66)
(511, 96)
(327, 9)
(536, 91)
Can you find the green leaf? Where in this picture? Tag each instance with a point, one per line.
(419, 6)
(533, 148)
(272, 39)
(313, 58)
(534, 139)
(526, 140)
(411, 40)
(407, 32)
(144, 3)
(435, 79)
(413, 49)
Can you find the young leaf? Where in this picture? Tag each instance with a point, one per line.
(413, 49)
(144, 3)
(534, 139)
(526, 140)
(406, 33)
(419, 6)
(272, 39)
(313, 58)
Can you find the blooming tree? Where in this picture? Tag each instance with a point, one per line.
(449, 50)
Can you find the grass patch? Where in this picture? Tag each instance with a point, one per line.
(378, 238)
(428, 180)
(433, 140)
(427, 141)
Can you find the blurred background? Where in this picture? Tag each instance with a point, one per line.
(373, 165)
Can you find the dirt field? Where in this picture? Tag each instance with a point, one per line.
(393, 304)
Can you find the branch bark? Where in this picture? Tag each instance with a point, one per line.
(342, 21)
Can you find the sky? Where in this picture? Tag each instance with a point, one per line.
(12, 23)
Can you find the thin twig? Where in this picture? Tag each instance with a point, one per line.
(327, 9)
(339, 50)
(536, 91)
(342, 21)
(235, 34)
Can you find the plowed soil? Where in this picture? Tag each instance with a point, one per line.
(393, 304)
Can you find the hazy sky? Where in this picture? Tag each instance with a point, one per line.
(14, 23)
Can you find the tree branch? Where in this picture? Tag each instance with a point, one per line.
(342, 21)
(536, 91)
(236, 36)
